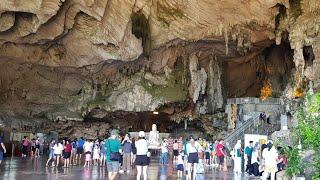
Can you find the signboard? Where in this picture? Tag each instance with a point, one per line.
(261, 139)
(284, 122)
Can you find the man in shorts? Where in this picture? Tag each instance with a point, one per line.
(113, 145)
(220, 153)
(80, 144)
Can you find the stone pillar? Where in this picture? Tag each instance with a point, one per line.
(299, 64)
(313, 72)
(231, 110)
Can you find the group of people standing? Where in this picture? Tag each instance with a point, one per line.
(36, 144)
(262, 160)
(193, 156)
(118, 153)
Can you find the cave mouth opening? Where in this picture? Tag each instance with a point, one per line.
(141, 29)
(131, 121)
(263, 73)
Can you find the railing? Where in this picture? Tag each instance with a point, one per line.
(250, 126)
(253, 100)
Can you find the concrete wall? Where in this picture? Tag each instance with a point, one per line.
(249, 105)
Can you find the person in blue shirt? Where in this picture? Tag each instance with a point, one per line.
(3, 150)
(113, 149)
(127, 149)
(80, 144)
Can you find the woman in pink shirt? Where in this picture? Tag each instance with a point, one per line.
(25, 145)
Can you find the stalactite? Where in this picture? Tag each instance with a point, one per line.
(226, 39)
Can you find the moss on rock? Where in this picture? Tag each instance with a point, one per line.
(175, 90)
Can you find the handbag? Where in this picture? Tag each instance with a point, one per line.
(114, 156)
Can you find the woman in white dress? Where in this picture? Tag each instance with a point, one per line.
(96, 153)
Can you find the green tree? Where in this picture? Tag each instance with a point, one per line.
(307, 133)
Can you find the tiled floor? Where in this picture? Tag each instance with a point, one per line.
(25, 169)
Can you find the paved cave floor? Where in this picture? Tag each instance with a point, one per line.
(25, 169)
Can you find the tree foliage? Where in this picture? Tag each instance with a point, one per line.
(306, 134)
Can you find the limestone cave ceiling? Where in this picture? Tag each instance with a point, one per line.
(64, 59)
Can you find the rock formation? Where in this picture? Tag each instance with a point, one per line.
(70, 60)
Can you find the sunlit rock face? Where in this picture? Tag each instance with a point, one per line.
(72, 60)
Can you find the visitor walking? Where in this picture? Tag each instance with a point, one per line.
(96, 153)
(102, 154)
(262, 118)
(51, 153)
(80, 144)
(113, 148)
(33, 147)
(25, 145)
(193, 159)
(213, 154)
(220, 154)
(37, 147)
(87, 148)
(127, 149)
(175, 150)
(207, 153)
(201, 153)
(248, 154)
(73, 153)
(164, 152)
(237, 158)
(3, 150)
(255, 160)
(142, 158)
(180, 143)
(67, 153)
(134, 151)
(270, 156)
(180, 162)
(170, 142)
(57, 150)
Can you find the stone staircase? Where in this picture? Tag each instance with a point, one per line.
(250, 126)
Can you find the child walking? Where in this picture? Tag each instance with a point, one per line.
(87, 159)
(180, 162)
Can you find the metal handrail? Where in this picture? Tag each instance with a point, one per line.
(241, 130)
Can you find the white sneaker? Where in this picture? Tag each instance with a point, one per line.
(121, 171)
(128, 171)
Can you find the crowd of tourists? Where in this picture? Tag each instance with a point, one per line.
(190, 156)
(194, 156)
(118, 153)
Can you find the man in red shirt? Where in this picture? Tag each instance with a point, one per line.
(220, 153)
